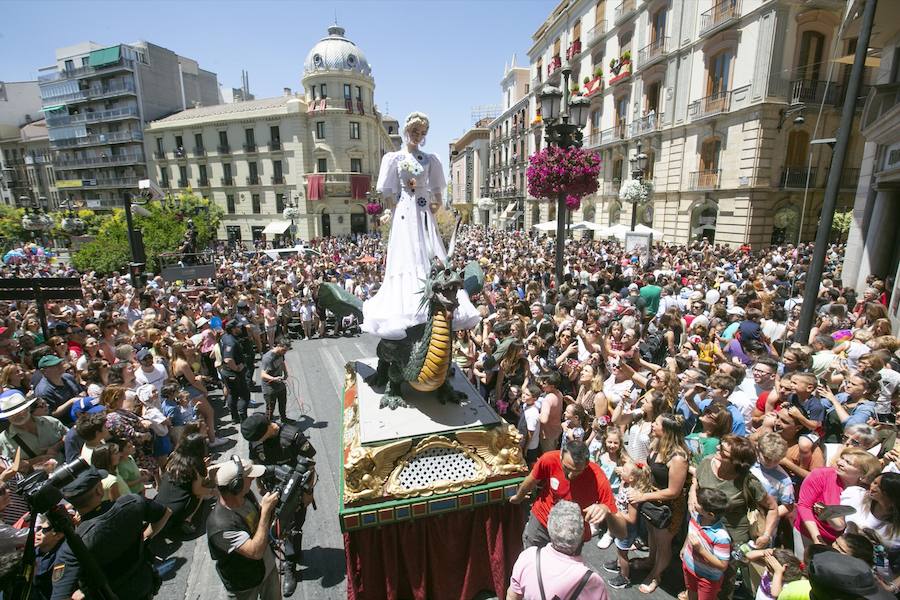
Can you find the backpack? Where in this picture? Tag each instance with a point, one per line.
(654, 349)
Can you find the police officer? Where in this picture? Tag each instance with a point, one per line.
(234, 364)
(267, 448)
(113, 533)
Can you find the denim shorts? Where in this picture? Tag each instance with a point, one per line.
(626, 542)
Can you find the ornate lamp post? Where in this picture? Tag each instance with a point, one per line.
(290, 213)
(564, 120)
(72, 224)
(34, 219)
(638, 169)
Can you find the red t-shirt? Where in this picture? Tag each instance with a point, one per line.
(590, 487)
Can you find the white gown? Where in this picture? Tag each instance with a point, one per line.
(413, 179)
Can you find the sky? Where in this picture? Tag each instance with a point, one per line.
(440, 57)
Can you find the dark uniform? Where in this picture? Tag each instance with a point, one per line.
(238, 390)
(274, 392)
(114, 535)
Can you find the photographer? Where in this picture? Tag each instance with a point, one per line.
(115, 534)
(244, 559)
(272, 444)
(273, 374)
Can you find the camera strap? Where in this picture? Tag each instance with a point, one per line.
(25, 447)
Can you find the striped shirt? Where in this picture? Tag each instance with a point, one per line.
(716, 541)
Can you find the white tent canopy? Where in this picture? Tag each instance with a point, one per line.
(276, 227)
(576, 226)
(644, 229)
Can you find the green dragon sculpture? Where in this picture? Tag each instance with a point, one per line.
(423, 358)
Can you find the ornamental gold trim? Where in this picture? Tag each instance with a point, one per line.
(482, 470)
(498, 447)
(366, 469)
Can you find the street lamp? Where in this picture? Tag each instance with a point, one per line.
(638, 168)
(556, 112)
(34, 219)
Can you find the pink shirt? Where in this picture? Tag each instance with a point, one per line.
(560, 573)
(821, 485)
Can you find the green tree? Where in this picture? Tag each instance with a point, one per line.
(841, 224)
(11, 232)
(163, 230)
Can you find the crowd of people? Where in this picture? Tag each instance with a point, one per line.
(666, 406)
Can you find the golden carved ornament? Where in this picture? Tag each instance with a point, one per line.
(498, 447)
(367, 468)
(394, 488)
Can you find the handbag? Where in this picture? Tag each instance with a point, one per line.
(658, 514)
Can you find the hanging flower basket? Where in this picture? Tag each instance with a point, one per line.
(573, 202)
(374, 208)
(36, 222)
(486, 203)
(73, 225)
(553, 171)
(291, 213)
(635, 191)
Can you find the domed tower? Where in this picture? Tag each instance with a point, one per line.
(347, 137)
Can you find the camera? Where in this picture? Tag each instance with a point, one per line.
(292, 483)
(42, 491)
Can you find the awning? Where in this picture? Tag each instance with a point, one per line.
(106, 56)
(54, 107)
(277, 227)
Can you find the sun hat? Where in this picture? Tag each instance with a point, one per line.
(13, 402)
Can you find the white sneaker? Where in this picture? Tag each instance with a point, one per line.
(605, 541)
(217, 443)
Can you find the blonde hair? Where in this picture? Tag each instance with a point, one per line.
(643, 480)
(869, 467)
(416, 118)
(772, 446)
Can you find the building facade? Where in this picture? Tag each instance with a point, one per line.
(510, 147)
(873, 246)
(469, 163)
(724, 97)
(28, 178)
(97, 100)
(318, 150)
(20, 105)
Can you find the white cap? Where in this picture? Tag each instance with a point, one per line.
(226, 472)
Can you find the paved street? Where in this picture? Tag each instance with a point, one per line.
(317, 369)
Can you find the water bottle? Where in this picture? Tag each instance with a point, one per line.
(739, 554)
(882, 567)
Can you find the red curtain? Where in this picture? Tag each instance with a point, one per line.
(315, 187)
(359, 185)
(445, 557)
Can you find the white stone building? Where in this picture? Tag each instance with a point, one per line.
(724, 97)
(469, 164)
(318, 150)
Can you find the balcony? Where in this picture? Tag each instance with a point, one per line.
(705, 180)
(199, 151)
(100, 139)
(227, 181)
(794, 178)
(224, 149)
(180, 153)
(709, 106)
(253, 180)
(652, 53)
(116, 159)
(596, 33)
(620, 71)
(849, 179)
(159, 154)
(720, 16)
(646, 124)
(204, 182)
(810, 91)
(554, 65)
(624, 10)
(93, 117)
(882, 103)
(94, 93)
(574, 49)
(121, 64)
(250, 148)
(37, 159)
(277, 179)
(275, 146)
(182, 183)
(116, 182)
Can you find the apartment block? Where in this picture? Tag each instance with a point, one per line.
(20, 105)
(97, 100)
(733, 102)
(470, 156)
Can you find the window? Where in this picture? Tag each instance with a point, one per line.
(257, 232)
(354, 130)
(279, 203)
(576, 31)
(223, 141)
(257, 206)
(651, 159)
(323, 90)
(658, 26)
(600, 13)
(159, 146)
(348, 91)
(275, 133)
(359, 93)
(356, 165)
(182, 176)
(322, 165)
(320, 130)
(277, 173)
(254, 173)
(809, 65)
(229, 203)
(709, 163)
(198, 141)
(204, 180)
(164, 177)
(540, 70)
(179, 143)
(70, 65)
(652, 97)
(226, 174)
(234, 233)
(718, 76)
(249, 137)
(797, 149)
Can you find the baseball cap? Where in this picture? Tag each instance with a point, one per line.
(85, 405)
(633, 286)
(254, 427)
(50, 360)
(227, 471)
(142, 354)
(836, 575)
(85, 482)
(735, 310)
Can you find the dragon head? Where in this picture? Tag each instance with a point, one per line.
(441, 287)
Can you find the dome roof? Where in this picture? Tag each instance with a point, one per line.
(336, 53)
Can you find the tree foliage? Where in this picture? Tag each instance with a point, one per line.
(163, 231)
(12, 234)
(841, 224)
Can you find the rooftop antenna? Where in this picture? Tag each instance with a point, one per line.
(387, 110)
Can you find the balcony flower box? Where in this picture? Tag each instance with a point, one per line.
(574, 49)
(594, 86)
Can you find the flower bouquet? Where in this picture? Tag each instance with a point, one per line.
(635, 191)
(486, 203)
(572, 171)
(374, 208)
(290, 213)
